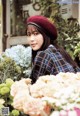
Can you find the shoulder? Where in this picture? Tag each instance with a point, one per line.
(46, 54)
(51, 49)
(47, 51)
(43, 54)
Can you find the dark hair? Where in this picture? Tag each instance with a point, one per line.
(46, 43)
(66, 56)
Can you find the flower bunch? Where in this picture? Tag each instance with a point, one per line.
(23, 101)
(49, 96)
(5, 97)
(20, 54)
(22, 57)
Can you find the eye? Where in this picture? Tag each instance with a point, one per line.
(36, 33)
(28, 34)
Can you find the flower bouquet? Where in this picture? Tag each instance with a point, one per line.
(15, 63)
(20, 54)
(50, 96)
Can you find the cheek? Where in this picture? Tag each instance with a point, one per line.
(40, 40)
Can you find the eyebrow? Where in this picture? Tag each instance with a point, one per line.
(33, 31)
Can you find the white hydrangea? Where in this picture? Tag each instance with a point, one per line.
(20, 54)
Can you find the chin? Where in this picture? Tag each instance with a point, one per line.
(35, 49)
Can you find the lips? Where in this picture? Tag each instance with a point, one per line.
(33, 45)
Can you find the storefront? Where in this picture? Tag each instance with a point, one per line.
(14, 15)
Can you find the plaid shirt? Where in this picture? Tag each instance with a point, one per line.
(49, 61)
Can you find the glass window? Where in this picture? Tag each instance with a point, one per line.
(20, 10)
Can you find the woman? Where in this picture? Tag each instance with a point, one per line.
(47, 57)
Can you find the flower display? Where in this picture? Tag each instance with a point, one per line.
(51, 95)
(6, 99)
(21, 56)
(15, 64)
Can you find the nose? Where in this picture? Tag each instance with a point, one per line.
(32, 38)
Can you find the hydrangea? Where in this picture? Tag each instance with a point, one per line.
(20, 54)
(51, 95)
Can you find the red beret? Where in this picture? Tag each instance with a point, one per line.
(44, 24)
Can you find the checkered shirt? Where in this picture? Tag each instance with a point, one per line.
(49, 61)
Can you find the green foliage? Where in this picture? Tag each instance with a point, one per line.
(68, 35)
(9, 69)
(14, 62)
(4, 90)
(6, 99)
(47, 7)
(68, 29)
(15, 113)
(77, 51)
(5, 94)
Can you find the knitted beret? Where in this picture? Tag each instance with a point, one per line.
(42, 22)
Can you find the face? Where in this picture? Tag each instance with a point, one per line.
(35, 37)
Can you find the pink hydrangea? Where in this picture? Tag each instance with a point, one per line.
(36, 107)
